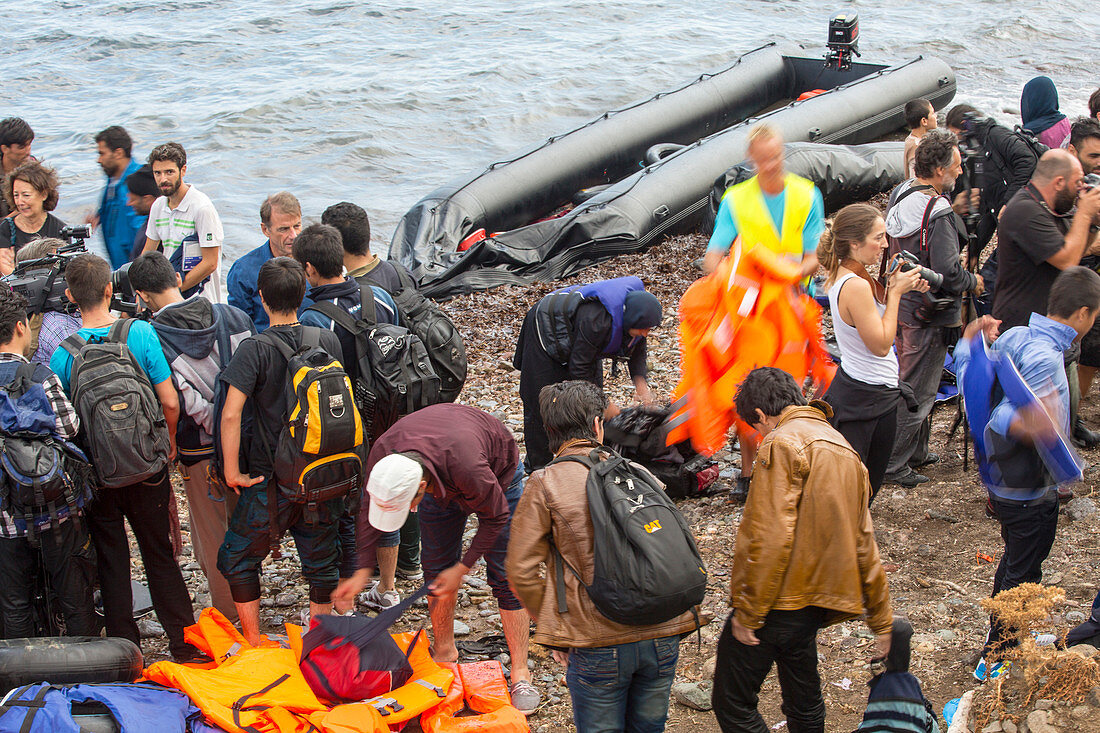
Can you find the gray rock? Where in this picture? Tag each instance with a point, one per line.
(994, 727)
(547, 678)
(554, 699)
(1075, 618)
(487, 613)
(1088, 651)
(475, 582)
(1093, 698)
(504, 659)
(1081, 508)
(946, 635)
(925, 550)
(1008, 726)
(709, 667)
(285, 599)
(530, 664)
(1044, 704)
(694, 695)
(149, 628)
(461, 629)
(1037, 722)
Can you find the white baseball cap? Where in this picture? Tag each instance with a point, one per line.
(392, 486)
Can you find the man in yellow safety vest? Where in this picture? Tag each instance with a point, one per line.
(779, 210)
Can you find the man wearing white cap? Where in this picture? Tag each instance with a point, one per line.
(446, 462)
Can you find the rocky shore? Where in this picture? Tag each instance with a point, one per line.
(939, 548)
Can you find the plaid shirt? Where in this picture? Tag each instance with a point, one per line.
(56, 327)
(68, 424)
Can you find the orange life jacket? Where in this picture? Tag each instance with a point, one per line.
(748, 313)
(482, 686)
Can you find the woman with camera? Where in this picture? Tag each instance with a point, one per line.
(31, 191)
(865, 392)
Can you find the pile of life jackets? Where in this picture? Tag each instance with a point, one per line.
(748, 313)
(262, 689)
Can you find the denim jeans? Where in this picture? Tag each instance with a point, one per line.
(442, 526)
(624, 687)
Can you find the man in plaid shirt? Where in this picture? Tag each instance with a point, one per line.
(64, 545)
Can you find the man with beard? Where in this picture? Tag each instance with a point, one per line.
(185, 225)
(115, 218)
(1040, 235)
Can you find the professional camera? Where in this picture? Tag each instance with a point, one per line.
(76, 235)
(843, 40)
(906, 261)
(1091, 181)
(123, 298)
(42, 281)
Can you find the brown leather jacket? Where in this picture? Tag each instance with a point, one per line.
(806, 537)
(554, 505)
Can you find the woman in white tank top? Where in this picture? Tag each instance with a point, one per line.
(864, 394)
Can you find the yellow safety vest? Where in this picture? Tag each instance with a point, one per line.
(754, 221)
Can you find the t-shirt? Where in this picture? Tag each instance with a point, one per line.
(184, 232)
(725, 227)
(259, 370)
(13, 236)
(142, 342)
(1027, 236)
(382, 273)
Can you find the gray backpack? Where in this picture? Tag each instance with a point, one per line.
(124, 429)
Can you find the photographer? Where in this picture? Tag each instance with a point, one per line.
(50, 327)
(1007, 165)
(31, 191)
(1040, 236)
(920, 220)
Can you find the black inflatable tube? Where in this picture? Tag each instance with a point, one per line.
(68, 660)
(673, 193)
(533, 182)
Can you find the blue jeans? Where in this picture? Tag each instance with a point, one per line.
(441, 529)
(624, 687)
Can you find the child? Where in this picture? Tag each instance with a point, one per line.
(257, 372)
(920, 115)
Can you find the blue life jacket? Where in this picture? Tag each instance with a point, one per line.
(897, 705)
(1004, 464)
(46, 708)
(554, 314)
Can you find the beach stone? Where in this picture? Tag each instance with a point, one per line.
(149, 628)
(1044, 704)
(709, 666)
(1088, 651)
(1093, 698)
(1081, 508)
(503, 658)
(946, 635)
(1008, 726)
(925, 550)
(1075, 618)
(692, 695)
(461, 629)
(1037, 722)
(994, 727)
(285, 599)
(924, 643)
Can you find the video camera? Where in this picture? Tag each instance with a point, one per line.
(842, 41)
(42, 281)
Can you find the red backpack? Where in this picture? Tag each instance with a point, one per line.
(351, 658)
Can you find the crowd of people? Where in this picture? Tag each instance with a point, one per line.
(218, 385)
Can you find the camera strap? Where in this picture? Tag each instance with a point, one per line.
(924, 222)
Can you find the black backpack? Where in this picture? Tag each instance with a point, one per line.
(395, 374)
(321, 446)
(441, 338)
(124, 429)
(647, 567)
(40, 473)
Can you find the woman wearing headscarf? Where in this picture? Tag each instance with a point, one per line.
(1039, 110)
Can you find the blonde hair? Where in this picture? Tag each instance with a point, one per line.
(851, 225)
(762, 132)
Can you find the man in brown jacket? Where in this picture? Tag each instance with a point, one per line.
(619, 677)
(805, 558)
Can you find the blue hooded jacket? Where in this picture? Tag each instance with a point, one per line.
(119, 223)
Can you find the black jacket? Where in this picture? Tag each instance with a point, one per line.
(1007, 165)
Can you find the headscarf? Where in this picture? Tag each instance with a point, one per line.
(1039, 105)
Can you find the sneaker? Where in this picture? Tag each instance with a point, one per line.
(525, 697)
(378, 601)
(906, 480)
(983, 673)
(930, 459)
(417, 574)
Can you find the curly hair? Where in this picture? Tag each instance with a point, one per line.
(42, 178)
(13, 309)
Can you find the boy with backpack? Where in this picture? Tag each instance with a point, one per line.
(27, 525)
(320, 253)
(198, 339)
(447, 462)
(805, 557)
(120, 383)
(276, 483)
(619, 674)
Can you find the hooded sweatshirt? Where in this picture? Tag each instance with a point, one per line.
(945, 235)
(194, 334)
(1039, 111)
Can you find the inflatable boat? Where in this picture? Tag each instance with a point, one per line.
(591, 194)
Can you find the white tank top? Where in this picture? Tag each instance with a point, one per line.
(859, 363)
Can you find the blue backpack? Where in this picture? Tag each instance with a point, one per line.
(42, 476)
(127, 708)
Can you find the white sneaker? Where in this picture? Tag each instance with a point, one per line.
(378, 601)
